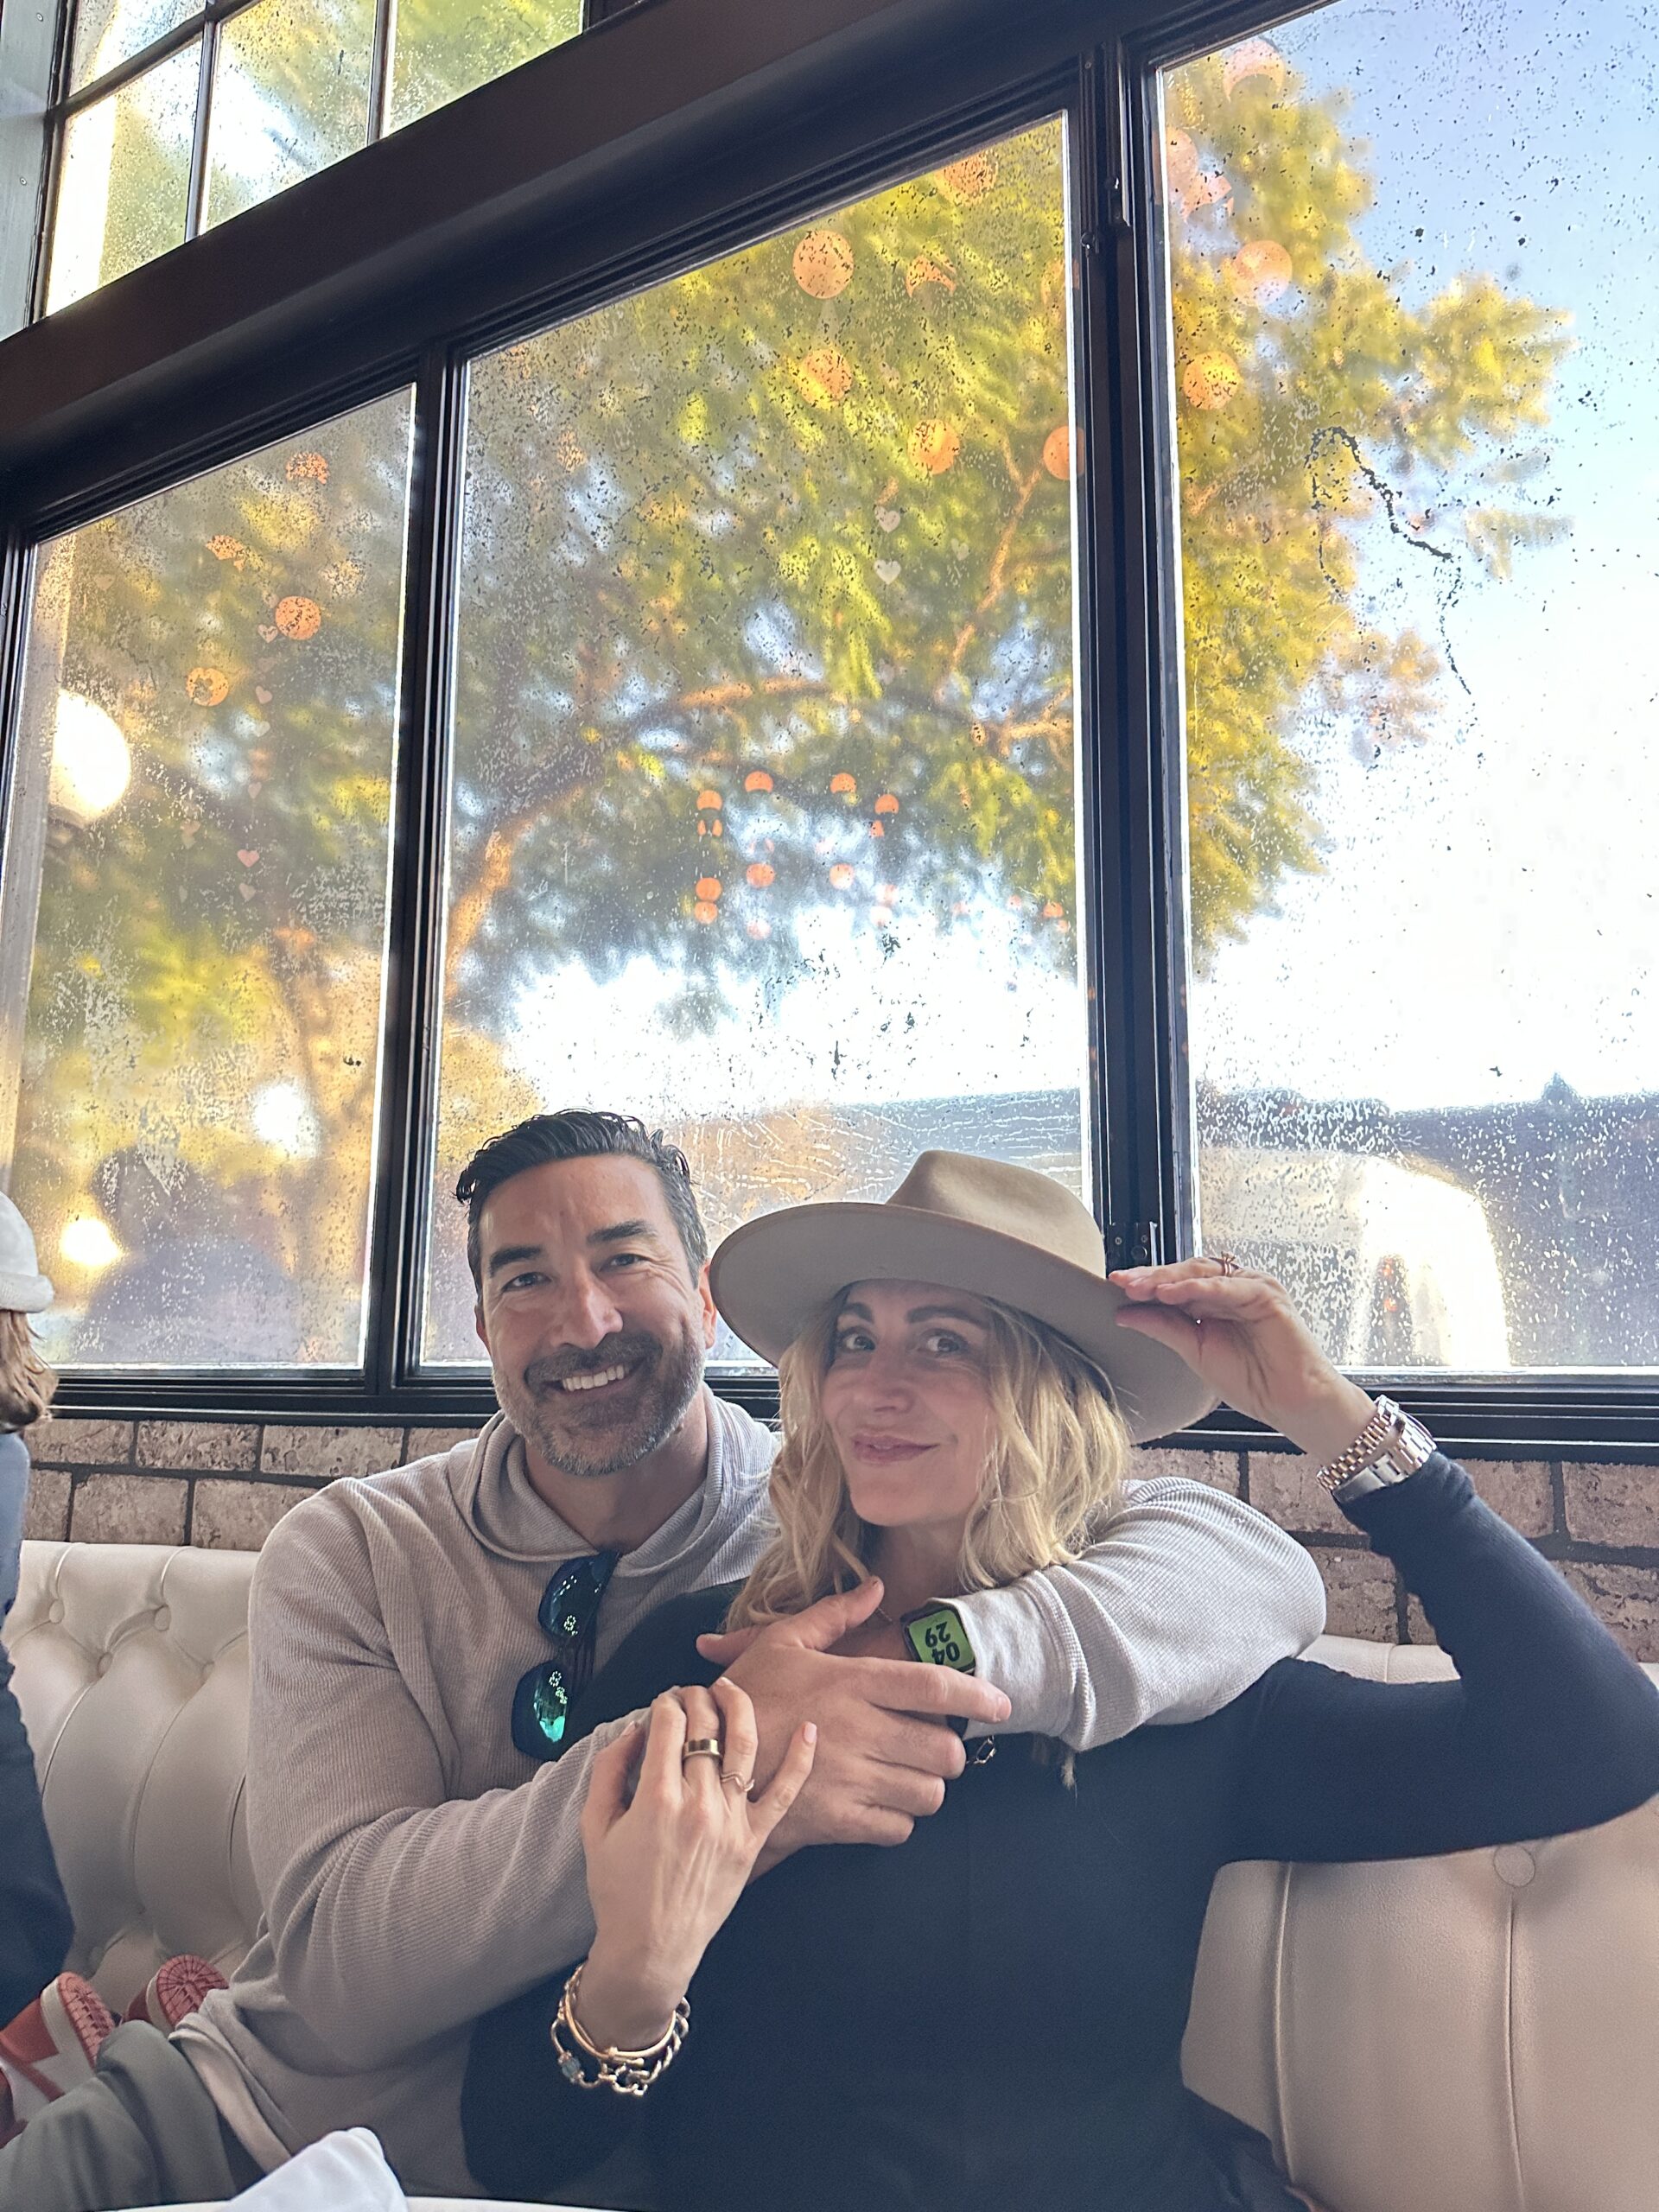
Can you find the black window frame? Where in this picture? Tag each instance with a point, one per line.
(202, 25)
(677, 132)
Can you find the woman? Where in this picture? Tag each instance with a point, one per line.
(35, 1924)
(993, 2015)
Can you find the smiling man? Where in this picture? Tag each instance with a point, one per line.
(416, 1636)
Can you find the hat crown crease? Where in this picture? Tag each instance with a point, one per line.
(1017, 1202)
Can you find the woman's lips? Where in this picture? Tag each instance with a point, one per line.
(887, 1450)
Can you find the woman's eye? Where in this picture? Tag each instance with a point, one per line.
(942, 1341)
(853, 1340)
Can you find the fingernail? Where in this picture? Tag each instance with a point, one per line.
(810, 1730)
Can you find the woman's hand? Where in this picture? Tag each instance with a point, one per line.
(665, 1870)
(1243, 1335)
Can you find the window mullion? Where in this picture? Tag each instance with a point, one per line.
(385, 27)
(1126, 1000)
(195, 205)
(408, 1096)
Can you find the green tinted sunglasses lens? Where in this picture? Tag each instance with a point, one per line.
(549, 1704)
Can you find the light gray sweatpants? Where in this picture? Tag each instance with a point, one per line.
(143, 2131)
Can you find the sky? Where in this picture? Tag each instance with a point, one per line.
(1486, 918)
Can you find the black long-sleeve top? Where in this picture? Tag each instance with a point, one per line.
(35, 1924)
(992, 2015)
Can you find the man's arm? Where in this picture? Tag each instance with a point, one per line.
(395, 1912)
(1189, 1596)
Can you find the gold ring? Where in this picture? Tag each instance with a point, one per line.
(743, 1782)
(1226, 1263)
(701, 1747)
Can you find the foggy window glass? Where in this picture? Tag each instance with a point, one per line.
(1413, 302)
(124, 183)
(195, 907)
(291, 95)
(441, 48)
(763, 824)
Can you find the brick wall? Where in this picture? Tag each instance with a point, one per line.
(224, 1485)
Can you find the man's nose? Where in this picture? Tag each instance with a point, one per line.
(586, 1312)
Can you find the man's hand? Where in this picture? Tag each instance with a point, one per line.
(886, 1748)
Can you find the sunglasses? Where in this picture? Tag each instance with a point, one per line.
(569, 1614)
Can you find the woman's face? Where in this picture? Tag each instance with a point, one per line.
(908, 1401)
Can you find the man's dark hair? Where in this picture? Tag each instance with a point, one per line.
(577, 1134)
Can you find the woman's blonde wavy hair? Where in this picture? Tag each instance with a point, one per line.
(26, 1382)
(1055, 1473)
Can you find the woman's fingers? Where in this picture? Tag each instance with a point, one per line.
(661, 1769)
(607, 1783)
(704, 1723)
(786, 1785)
(1199, 1286)
(740, 1736)
(1183, 1336)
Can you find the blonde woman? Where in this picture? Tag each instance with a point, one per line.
(992, 2015)
(34, 1925)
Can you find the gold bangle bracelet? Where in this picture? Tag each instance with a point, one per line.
(629, 2072)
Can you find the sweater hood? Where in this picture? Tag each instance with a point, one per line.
(491, 1486)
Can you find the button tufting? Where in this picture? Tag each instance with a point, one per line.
(105, 1663)
(1515, 1864)
(162, 1619)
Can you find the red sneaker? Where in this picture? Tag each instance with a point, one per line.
(54, 2042)
(175, 1991)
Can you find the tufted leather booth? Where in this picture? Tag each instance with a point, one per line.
(1478, 2033)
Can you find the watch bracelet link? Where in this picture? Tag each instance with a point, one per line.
(1390, 1446)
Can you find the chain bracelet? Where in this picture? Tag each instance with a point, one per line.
(629, 2072)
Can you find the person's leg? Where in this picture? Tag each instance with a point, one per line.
(143, 2131)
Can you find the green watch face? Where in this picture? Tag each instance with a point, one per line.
(938, 1638)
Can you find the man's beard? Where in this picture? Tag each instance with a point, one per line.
(589, 1442)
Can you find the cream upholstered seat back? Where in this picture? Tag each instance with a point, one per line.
(132, 1674)
(1478, 2033)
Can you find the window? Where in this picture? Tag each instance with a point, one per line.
(1418, 541)
(839, 587)
(764, 758)
(194, 911)
(173, 119)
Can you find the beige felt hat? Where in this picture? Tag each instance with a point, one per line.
(23, 1289)
(1004, 1232)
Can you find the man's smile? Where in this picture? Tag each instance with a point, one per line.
(600, 1379)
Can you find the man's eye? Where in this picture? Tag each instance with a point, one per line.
(627, 1259)
(524, 1281)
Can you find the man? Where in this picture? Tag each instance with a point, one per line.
(416, 1867)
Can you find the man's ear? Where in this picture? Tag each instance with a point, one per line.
(710, 1318)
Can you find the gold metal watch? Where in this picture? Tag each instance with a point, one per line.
(1390, 1446)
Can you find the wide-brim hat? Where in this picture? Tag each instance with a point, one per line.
(23, 1289)
(982, 1226)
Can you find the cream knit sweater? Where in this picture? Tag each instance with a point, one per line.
(416, 1870)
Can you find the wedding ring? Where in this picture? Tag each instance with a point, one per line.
(701, 1747)
(1226, 1263)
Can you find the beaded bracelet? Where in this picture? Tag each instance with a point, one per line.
(629, 2072)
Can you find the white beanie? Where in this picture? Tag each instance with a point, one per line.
(23, 1289)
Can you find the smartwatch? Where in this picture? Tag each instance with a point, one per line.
(938, 1636)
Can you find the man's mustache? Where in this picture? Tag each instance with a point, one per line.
(628, 1348)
